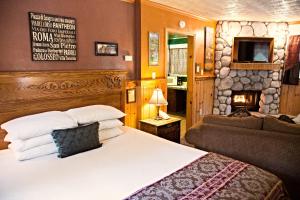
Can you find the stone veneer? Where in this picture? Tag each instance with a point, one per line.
(269, 82)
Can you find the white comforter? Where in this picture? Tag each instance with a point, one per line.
(122, 166)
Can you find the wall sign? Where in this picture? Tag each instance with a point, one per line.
(53, 38)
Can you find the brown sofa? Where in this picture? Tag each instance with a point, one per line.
(267, 142)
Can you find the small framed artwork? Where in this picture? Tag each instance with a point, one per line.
(153, 49)
(106, 49)
(208, 48)
(131, 95)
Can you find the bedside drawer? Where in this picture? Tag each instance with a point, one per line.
(170, 132)
(169, 128)
(149, 128)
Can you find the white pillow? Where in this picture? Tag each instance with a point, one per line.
(36, 152)
(94, 113)
(35, 125)
(111, 123)
(109, 133)
(297, 119)
(23, 145)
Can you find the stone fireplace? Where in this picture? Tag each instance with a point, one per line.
(229, 80)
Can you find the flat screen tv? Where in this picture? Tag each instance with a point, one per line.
(252, 51)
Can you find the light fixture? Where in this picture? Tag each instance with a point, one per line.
(158, 100)
(182, 24)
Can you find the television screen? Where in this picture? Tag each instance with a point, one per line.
(245, 53)
(252, 51)
(261, 52)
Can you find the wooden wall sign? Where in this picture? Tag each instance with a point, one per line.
(53, 38)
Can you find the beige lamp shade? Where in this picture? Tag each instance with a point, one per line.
(158, 98)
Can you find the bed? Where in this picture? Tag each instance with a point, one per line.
(134, 165)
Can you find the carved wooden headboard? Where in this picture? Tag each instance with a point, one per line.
(24, 93)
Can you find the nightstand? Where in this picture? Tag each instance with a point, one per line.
(165, 128)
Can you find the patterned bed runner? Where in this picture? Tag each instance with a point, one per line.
(215, 177)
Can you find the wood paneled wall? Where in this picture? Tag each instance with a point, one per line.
(290, 99)
(131, 108)
(203, 98)
(146, 88)
(141, 109)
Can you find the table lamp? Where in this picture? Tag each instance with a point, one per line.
(158, 100)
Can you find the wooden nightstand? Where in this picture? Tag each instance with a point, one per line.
(168, 129)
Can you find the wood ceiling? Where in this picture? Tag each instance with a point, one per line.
(250, 10)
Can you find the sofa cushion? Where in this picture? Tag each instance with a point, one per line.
(273, 124)
(242, 122)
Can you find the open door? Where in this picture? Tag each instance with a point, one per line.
(180, 50)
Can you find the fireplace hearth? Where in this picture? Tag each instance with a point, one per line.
(245, 99)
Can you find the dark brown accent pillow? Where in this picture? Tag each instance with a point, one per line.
(250, 122)
(273, 124)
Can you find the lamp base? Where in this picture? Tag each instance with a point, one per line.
(158, 118)
(157, 114)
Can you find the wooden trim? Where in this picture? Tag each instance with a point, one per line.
(35, 92)
(179, 31)
(252, 39)
(175, 10)
(138, 36)
(174, 31)
(190, 97)
(201, 78)
(128, 1)
(255, 66)
(294, 22)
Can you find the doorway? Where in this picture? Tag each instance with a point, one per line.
(180, 62)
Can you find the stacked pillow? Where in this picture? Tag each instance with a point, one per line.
(106, 116)
(66, 133)
(30, 136)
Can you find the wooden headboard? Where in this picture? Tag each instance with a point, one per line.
(24, 93)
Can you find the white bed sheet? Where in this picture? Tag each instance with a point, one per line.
(122, 166)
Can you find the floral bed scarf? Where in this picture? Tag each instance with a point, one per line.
(215, 177)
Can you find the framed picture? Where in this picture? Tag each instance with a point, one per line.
(106, 49)
(208, 48)
(153, 49)
(131, 96)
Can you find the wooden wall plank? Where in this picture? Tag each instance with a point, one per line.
(290, 99)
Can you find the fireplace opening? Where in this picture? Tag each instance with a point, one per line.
(242, 99)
